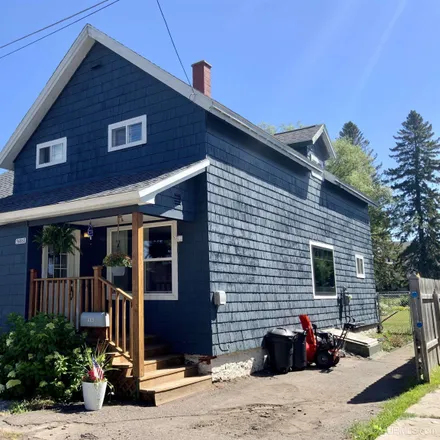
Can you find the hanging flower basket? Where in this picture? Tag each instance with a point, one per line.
(118, 261)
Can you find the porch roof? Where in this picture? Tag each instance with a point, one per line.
(122, 190)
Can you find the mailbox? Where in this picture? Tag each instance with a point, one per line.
(95, 319)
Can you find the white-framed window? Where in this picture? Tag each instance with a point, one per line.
(126, 134)
(323, 270)
(360, 267)
(51, 153)
(160, 259)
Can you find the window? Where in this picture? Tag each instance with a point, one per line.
(126, 134)
(360, 268)
(315, 159)
(323, 270)
(51, 153)
(160, 259)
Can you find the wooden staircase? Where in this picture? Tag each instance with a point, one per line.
(166, 377)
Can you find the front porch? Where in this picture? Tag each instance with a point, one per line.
(150, 367)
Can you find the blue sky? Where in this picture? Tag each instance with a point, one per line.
(370, 61)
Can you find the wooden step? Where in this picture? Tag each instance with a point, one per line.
(153, 350)
(166, 375)
(176, 389)
(151, 364)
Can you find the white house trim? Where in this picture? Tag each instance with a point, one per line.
(138, 197)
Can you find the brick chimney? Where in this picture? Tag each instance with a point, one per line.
(202, 77)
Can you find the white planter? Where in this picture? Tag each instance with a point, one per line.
(118, 271)
(93, 394)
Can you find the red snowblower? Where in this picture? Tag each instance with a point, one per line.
(322, 348)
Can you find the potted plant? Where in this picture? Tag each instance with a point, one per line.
(59, 239)
(94, 383)
(118, 261)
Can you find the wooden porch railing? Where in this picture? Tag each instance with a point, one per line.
(72, 296)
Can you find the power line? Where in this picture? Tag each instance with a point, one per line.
(172, 41)
(53, 24)
(57, 30)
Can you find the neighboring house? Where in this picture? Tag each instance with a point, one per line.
(113, 139)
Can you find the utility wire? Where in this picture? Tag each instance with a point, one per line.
(172, 41)
(53, 24)
(59, 29)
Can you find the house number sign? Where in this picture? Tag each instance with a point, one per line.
(21, 240)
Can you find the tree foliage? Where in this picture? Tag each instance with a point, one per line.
(274, 129)
(351, 132)
(415, 182)
(356, 167)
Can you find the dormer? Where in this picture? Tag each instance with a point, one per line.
(312, 142)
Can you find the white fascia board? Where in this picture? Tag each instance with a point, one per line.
(68, 208)
(326, 138)
(148, 194)
(46, 98)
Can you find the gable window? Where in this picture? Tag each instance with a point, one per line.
(126, 134)
(360, 268)
(51, 153)
(315, 159)
(323, 270)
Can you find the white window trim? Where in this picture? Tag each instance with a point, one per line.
(63, 159)
(322, 246)
(139, 119)
(356, 258)
(152, 296)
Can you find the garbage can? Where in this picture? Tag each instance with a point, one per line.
(279, 343)
(299, 350)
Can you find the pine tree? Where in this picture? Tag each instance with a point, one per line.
(351, 132)
(417, 199)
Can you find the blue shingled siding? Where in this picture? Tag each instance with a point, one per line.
(106, 89)
(13, 274)
(262, 213)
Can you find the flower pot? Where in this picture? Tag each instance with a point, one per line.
(93, 394)
(118, 271)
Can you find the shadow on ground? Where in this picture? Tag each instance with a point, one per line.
(394, 383)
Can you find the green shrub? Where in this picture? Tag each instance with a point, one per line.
(404, 301)
(42, 358)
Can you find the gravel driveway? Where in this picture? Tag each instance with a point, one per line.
(297, 405)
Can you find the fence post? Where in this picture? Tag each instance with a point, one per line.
(32, 299)
(97, 301)
(437, 316)
(379, 314)
(420, 350)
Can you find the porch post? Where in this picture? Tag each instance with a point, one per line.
(98, 302)
(138, 293)
(32, 299)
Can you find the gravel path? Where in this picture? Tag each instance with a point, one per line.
(310, 403)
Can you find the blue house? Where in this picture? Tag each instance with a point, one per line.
(211, 209)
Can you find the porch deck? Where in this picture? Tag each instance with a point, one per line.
(145, 367)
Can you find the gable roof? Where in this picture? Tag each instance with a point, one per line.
(71, 61)
(308, 134)
(121, 190)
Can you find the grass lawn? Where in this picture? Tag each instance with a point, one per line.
(398, 323)
(394, 409)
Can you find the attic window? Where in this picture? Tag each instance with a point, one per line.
(51, 153)
(126, 134)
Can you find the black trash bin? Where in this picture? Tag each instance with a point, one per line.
(299, 350)
(279, 343)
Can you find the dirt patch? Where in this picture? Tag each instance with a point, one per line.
(311, 403)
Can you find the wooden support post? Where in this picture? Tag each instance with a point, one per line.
(421, 354)
(138, 294)
(32, 293)
(97, 294)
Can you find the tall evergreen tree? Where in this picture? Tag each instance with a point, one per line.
(417, 199)
(351, 132)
